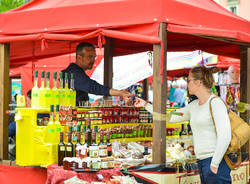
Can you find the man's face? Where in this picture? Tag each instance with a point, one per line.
(87, 59)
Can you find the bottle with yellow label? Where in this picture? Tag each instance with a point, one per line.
(61, 91)
(67, 91)
(48, 93)
(55, 91)
(72, 91)
(35, 92)
(42, 92)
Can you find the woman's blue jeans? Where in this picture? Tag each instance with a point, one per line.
(208, 177)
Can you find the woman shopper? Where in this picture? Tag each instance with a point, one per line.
(209, 146)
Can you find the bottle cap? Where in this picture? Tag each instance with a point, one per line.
(36, 74)
(72, 76)
(66, 75)
(61, 75)
(51, 108)
(42, 75)
(47, 75)
(70, 129)
(57, 108)
(96, 128)
(55, 75)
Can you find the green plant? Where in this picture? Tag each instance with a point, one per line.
(6, 5)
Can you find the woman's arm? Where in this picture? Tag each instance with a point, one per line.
(174, 118)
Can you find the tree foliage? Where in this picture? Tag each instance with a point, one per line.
(6, 5)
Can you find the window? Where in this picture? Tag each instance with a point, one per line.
(233, 9)
(233, 6)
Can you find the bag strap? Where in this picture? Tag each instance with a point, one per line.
(231, 165)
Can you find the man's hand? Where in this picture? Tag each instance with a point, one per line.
(214, 169)
(126, 96)
(123, 93)
(140, 102)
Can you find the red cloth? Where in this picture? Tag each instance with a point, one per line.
(57, 175)
(46, 32)
(22, 175)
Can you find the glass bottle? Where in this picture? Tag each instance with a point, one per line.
(57, 124)
(48, 92)
(42, 92)
(83, 134)
(61, 91)
(35, 92)
(55, 91)
(69, 147)
(93, 148)
(103, 152)
(89, 131)
(78, 143)
(61, 150)
(67, 91)
(51, 136)
(109, 145)
(72, 91)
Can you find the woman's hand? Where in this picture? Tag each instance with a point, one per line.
(139, 102)
(214, 169)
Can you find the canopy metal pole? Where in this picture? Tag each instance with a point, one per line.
(4, 98)
(159, 98)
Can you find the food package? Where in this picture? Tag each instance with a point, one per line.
(75, 180)
(123, 180)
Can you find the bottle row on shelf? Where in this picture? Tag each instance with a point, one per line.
(90, 148)
(44, 96)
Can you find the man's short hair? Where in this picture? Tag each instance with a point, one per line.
(81, 46)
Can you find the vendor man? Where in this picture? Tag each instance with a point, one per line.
(85, 59)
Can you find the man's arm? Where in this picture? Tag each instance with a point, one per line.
(84, 83)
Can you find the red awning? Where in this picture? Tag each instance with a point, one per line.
(51, 28)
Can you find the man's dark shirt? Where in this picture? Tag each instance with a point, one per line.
(83, 84)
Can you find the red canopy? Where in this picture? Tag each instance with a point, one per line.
(44, 28)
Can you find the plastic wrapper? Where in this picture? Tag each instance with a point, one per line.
(124, 180)
(75, 180)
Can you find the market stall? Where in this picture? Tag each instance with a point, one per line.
(155, 28)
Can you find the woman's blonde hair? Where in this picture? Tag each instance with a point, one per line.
(204, 75)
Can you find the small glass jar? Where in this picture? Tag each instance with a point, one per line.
(93, 151)
(96, 163)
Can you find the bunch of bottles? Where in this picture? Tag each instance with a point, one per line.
(85, 147)
(184, 130)
(44, 96)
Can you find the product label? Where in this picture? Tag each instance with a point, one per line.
(34, 95)
(62, 148)
(58, 129)
(62, 95)
(47, 95)
(51, 130)
(109, 148)
(103, 152)
(56, 96)
(69, 149)
(93, 153)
